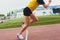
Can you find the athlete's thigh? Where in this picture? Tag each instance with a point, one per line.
(27, 19)
(32, 16)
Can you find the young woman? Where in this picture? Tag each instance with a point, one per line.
(29, 16)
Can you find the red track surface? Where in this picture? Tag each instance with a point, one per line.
(46, 32)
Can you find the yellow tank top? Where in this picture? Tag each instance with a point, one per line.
(32, 5)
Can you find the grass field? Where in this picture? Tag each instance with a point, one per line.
(43, 20)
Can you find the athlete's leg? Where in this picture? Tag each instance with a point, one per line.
(24, 27)
(26, 24)
(28, 21)
(27, 13)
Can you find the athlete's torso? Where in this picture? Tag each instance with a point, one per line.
(33, 4)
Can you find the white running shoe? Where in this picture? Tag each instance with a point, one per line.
(20, 37)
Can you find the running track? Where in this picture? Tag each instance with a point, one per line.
(45, 32)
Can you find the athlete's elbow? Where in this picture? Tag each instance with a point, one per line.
(45, 6)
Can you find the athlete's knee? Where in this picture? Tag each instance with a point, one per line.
(35, 20)
(27, 11)
(27, 23)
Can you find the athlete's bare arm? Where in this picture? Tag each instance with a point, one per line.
(46, 5)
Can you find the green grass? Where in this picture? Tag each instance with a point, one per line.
(11, 23)
(43, 20)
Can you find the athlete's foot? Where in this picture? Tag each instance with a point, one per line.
(20, 37)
